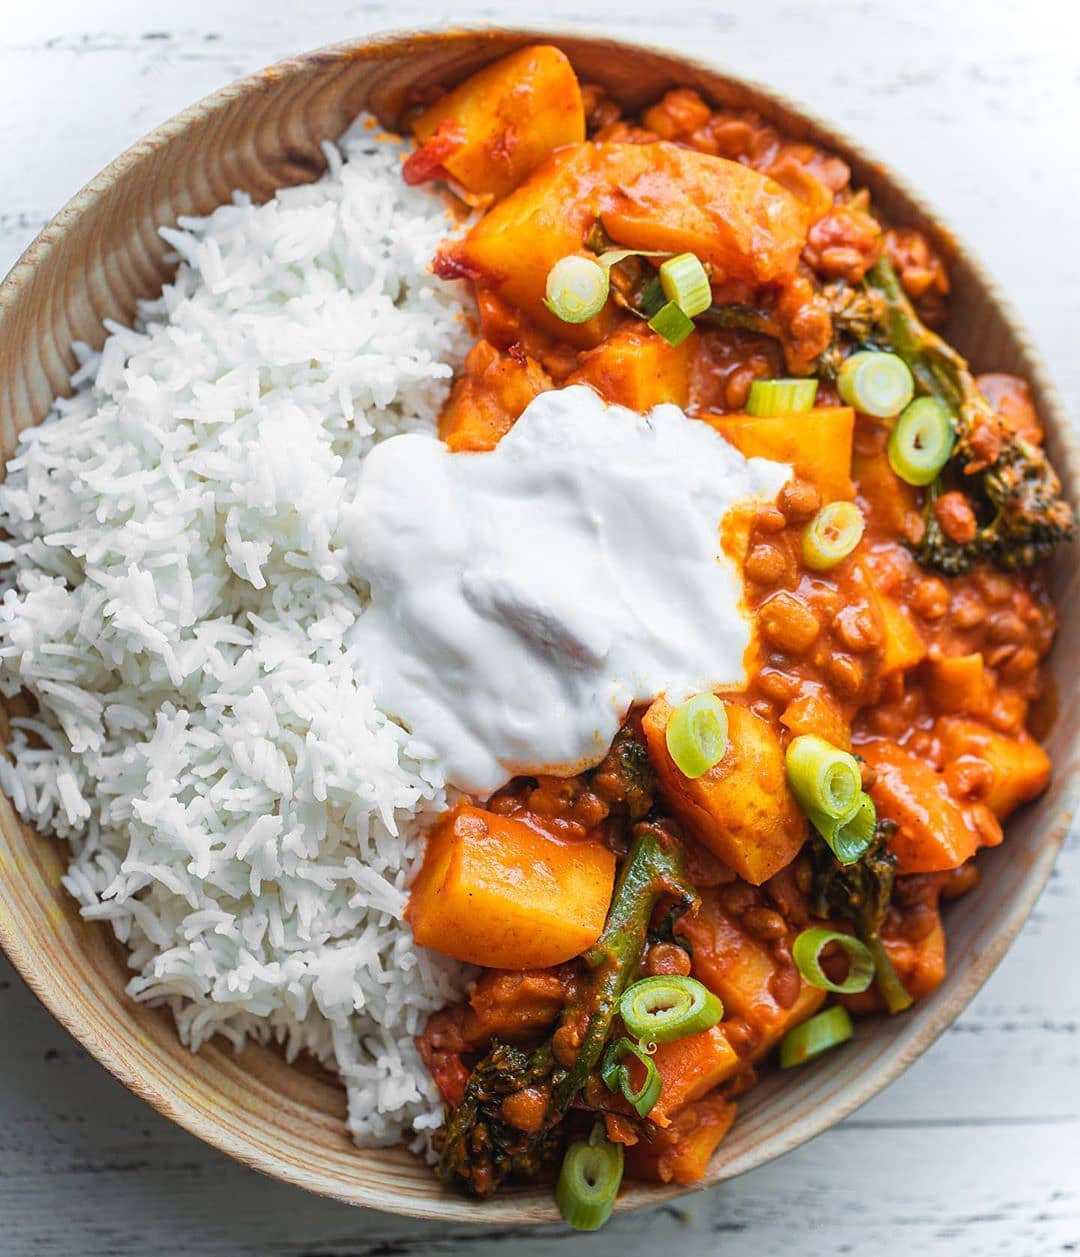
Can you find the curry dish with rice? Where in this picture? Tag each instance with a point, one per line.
(744, 871)
(538, 619)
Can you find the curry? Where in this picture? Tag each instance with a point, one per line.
(745, 871)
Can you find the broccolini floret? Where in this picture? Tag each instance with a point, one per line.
(1010, 483)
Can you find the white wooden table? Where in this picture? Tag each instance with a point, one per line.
(976, 1150)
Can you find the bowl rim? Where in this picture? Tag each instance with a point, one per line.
(50, 988)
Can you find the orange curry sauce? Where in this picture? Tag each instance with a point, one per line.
(930, 680)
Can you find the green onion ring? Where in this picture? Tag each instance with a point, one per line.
(697, 735)
(616, 1075)
(878, 384)
(672, 323)
(832, 535)
(850, 836)
(806, 952)
(668, 1007)
(686, 282)
(589, 1181)
(823, 778)
(921, 441)
(769, 398)
(810, 1039)
(577, 289)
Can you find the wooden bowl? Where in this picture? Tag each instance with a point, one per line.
(92, 262)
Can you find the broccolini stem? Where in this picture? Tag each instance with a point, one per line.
(653, 869)
(743, 318)
(481, 1149)
(939, 369)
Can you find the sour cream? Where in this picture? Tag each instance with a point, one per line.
(523, 599)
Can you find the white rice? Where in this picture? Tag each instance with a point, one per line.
(237, 807)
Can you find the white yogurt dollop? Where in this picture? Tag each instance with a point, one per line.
(522, 599)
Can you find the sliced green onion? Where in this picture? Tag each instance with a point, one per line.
(769, 398)
(806, 952)
(921, 441)
(617, 1077)
(686, 282)
(577, 289)
(877, 384)
(810, 1039)
(668, 1007)
(697, 734)
(589, 1181)
(856, 832)
(832, 535)
(823, 778)
(850, 836)
(672, 323)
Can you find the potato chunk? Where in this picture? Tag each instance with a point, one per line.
(491, 395)
(742, 809)
(638, 369)
(903, 646)
(740, 970)
(646, 196)
(494, 892)
(512, 248)
(936, 831)
(819, 715)
(493, 129)
(891, 504)
(1020, 767)
(808, 1001)
(688, 1068)
(663, 196)
(958, 683)
(680, 1154)
(817, 444)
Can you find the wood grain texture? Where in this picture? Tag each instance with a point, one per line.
(1011, 1216)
